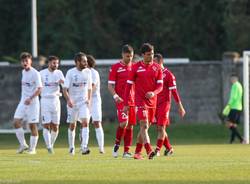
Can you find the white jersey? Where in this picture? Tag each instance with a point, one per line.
(96, 81)
(31, 80)
(78, 83)
(50, 81)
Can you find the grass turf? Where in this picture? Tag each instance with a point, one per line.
(202, 155)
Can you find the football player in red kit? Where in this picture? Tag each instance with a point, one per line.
(146, 75)
(118, 77)
(163, 107)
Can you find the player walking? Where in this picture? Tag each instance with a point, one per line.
(147, 77)
(118, 77)
(28, 107)
(52, 78)
(77, 92)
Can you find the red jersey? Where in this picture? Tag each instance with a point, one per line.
(169, 86)
(146, 77)
(118, 75)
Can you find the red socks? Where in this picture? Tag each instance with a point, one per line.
(167, 143)
(119, 135)
(148, 148)
(159, 144)
(128, 137)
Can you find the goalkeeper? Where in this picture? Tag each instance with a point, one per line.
(233, 109)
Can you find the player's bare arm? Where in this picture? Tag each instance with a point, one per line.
(36, 93)
(182, 111)
(89, 96)
(66, 96)
(116, 97)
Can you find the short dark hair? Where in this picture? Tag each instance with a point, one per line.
(91, 61)
(234, 75)
(158, 56)
(146, 47)
(51, 58)
(25, 55)
(127, 49)
(78, 56)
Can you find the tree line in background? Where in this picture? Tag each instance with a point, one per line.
(199, 30)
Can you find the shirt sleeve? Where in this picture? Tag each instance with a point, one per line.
(94, 77)
(89, 80)
(159, 81)
(38, 80)
(233, 95)
(67, 80)
(112, 75)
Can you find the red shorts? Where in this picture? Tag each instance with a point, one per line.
(162, 114)
(122, 117)
(145, 114)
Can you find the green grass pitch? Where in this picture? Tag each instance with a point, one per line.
(202, 155)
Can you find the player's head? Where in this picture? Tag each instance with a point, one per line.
(80, 60)
(234, 77)
(91, 61)
(26, 60)
(147, 52)
(127, 53)
(158, 58)
(53, 63)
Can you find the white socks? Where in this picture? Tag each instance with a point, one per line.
(53, 137)
(33, 142)
(47, 137)
(71, 138)
(20, 136)
(85, 137)
(100, 138)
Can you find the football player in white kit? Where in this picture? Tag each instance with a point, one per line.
(96, 103)
(28, 107)
(52, 78)
(77, 92)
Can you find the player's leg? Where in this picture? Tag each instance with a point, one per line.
(32, 113)
(139, 146)
(169, 149)
(128, 136)
(54, 133)
(55, 122)
(47, 136)
(71, 120)
(150, 114)
(160, 138)
(123, 120)
(46, 120)
(84, 116)
(18, 117)
(96, 113)
(99, 135)
(233, 120)
(33, 138)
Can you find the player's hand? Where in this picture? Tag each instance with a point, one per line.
(117, 98)
(182, 111)
(27, 101)
(149, 94)
(61, 81)
(70, 103)
(125, 109)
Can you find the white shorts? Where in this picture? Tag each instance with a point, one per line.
(96, 109)
(78, 112)
(29, 113)
(50, 110)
